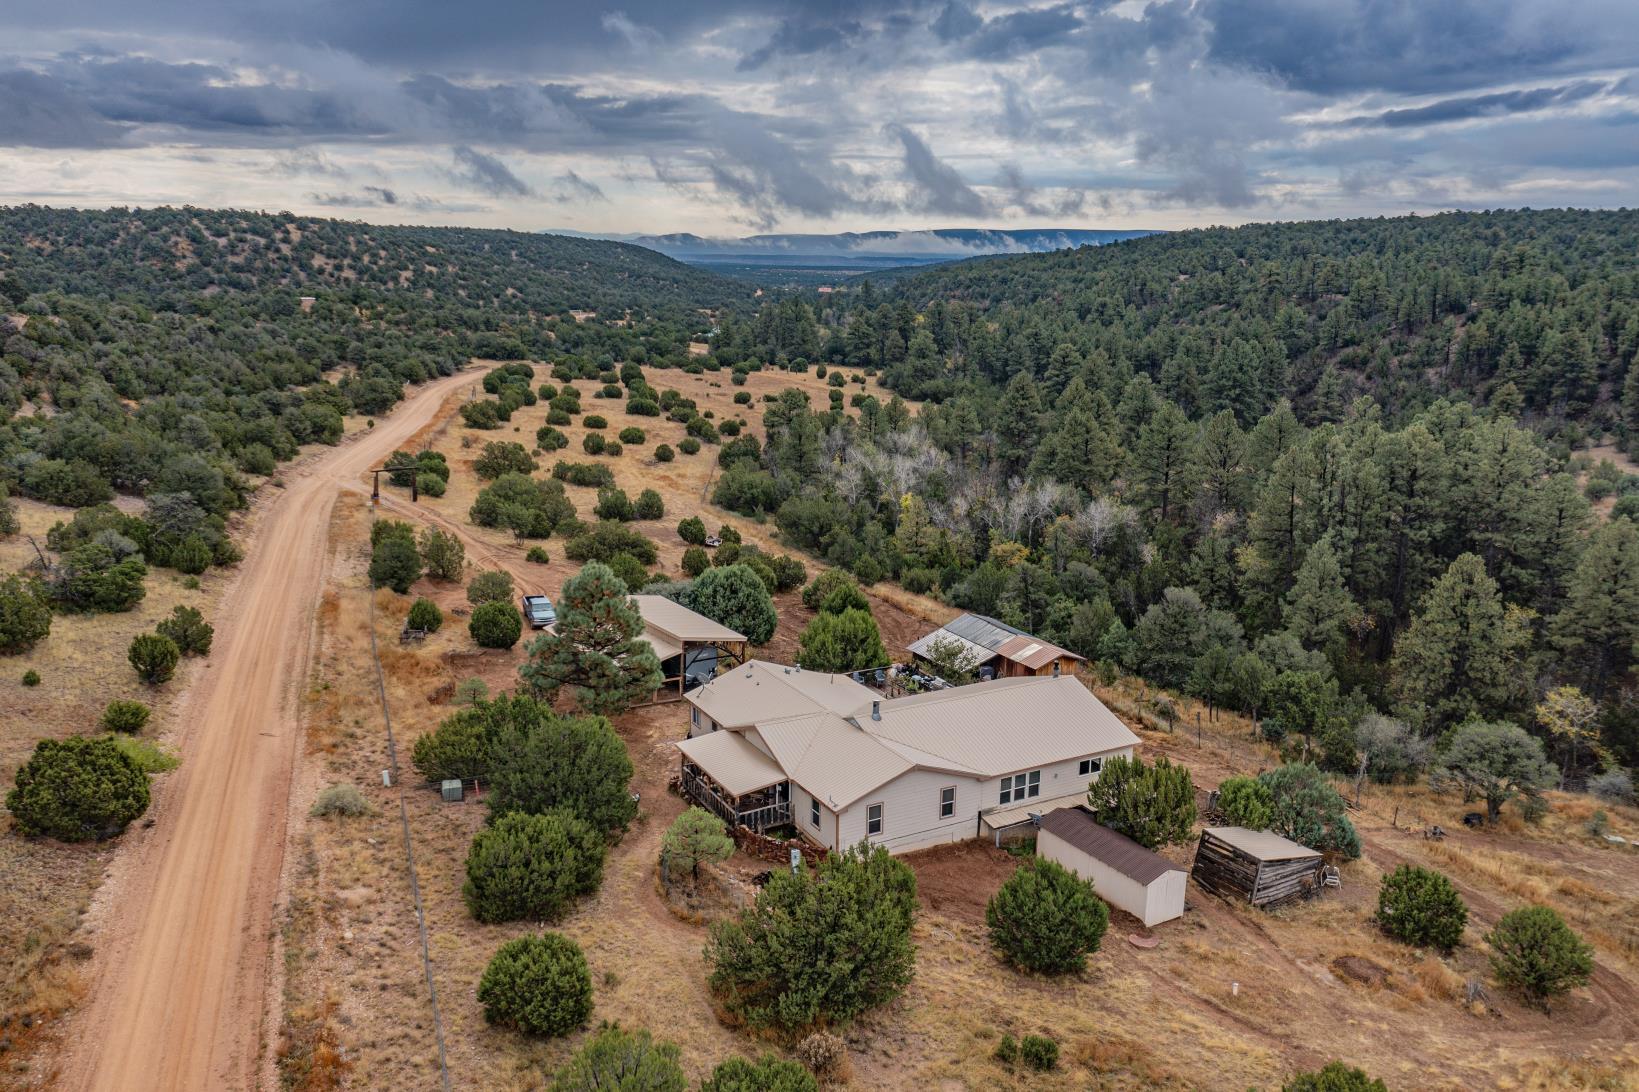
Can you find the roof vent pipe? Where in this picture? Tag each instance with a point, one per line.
(1055, 669)
(876, 710)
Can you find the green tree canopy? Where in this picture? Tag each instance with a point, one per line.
(597, 649)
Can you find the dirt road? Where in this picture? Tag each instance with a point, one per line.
(178, 998)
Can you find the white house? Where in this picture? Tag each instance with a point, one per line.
(1124, 873)
(771, 744)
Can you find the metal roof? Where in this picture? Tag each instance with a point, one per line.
(664, 647)
(732, 762)
(972, 654)
(1032, 652)
(758, 690)
(1262, 845)
(832, 757)
(678, 622)
(983, 630)
(1078, 827)
(1013, 814)
(1004, 725)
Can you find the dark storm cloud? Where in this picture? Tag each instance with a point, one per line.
(1498, 104)
(487, 174)
(1417, 46)
(757, 110)
(937, 186)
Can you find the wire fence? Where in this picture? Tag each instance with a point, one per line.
(409, 849)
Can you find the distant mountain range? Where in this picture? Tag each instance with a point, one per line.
(811, 257)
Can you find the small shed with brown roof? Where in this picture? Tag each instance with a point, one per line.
(1124, 873)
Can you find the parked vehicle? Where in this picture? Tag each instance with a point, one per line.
(713, 541)
(539, 611)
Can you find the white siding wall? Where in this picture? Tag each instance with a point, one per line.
(1152, 903)
(802, 802)
(1057, 779)
(910, 811)
(699, 723)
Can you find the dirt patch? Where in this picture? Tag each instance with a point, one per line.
(1360, 969)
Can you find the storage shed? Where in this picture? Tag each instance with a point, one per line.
(1263, 868)
(1124, 873)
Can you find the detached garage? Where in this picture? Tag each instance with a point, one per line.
(1124, 873)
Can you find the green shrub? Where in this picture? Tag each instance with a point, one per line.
(25, 615)
(187, 628)
(459, 748)
(593, 420)
(343, 800)
(692, 530)
(603, 540)
(531, 867)
(1421, 907)
(844, 642)
(541, 760)
(77, 789)
(123, 715)
(93, 578)
(526, 506)
(631, 571)
(430, 485)
(695, 837)
(537, 555)
(154, 657)
(1046, 919)
(695, 561)
(766, 1074)
(735, 597)
(494, 586)
(613, 504)
(820, 589)
(1335, 1077)
(1038, 1052)
(642, 407)
(819, 946)
(539, 985)
(613, 449)
(589, 474)
(395, 563)
(1152, 805)
(1536, 953)
(550, 439)
(191, 556)
(664, 453)
(1007, 1050)
(495, 625)
(445, 556)
(424, 614)
(631, 434)
(499, 458)
(649, 505)
(555, 416)
(31, 677)
(1308, 810)
(1246, 802)
(742, 398)
(688, 445)
(593, 443)
(614, 1060)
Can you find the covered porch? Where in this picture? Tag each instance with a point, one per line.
(735, 781)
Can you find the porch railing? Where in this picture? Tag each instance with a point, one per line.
(759, 819)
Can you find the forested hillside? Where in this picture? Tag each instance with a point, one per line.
(167, 351)
(1311, 470)
(1534, 311)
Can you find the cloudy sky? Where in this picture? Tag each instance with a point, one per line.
(733, 116)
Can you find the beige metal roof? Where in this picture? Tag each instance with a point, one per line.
(830, 757)
(664, 647)
(757, 691)
(1000, 818)
(679, 622)
(1004, 725)
(732, 762)
(972, 654)
(1262, 845)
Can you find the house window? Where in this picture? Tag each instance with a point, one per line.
(1090, 766)
(947, 801)
(813, 811)
(873, 819)
(694, 715)
(1021, 786)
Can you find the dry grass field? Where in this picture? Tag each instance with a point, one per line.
(49, 885)
(1315, 981)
